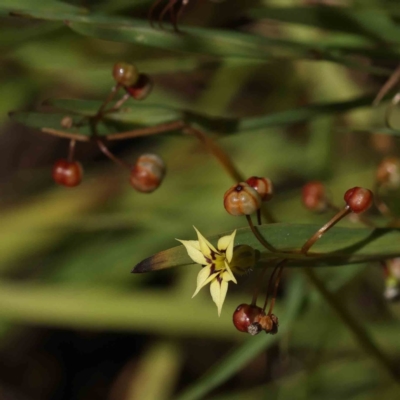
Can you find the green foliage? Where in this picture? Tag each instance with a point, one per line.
(292, 104)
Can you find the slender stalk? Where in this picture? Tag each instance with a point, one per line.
(276, 286)
(358, 331)
(71, 150)
(259, 220)
(259, 236)
(118, 104)
(217, 152)
(389, 84)
(224, 160)
(63, 134)
(153, 130)
(107, 101)
(111, 156)
(271, 279)
(317, 235)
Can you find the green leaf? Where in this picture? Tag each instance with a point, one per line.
(220, 43)
(39, 8)
(143, 114)
(371, 23)
(303, 113)
(337, 247)
(51, 123)
(133, 112)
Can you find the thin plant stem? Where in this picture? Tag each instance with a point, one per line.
(67, 135)
(217, 152)
(276, 286)
(118, 104)
(71, 150)
(271, 279)
(389, 84)
(151, 11)
(107, 101)
(111, 156)
(259, 236)
(358, 331)
(224, 160)
(152, 130)
(317, 235)
(259, 221)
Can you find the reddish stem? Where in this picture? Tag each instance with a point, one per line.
(111, 156)
(317, 235)
(259, 236)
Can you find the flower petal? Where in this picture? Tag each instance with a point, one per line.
(226, 244)
(193, 249)
(218, 291)
(228, 272)
(203, 277)
(205, 246)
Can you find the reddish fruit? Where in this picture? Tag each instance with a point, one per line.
(358, 199)
(263, 186)
(67, 173)
(142, 88)
(245, 315)
(147, 173)
(241, 199)
(314, 196)
(125, 74)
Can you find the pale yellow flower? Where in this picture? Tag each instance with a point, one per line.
(215, 262)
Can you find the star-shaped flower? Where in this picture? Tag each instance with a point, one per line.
(215, 262)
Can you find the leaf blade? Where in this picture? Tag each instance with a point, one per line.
(338, 247)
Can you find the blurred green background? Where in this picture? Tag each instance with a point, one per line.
(74, 323)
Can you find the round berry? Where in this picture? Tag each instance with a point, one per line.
(358, 199)
(67, 173)
(263, 186)
(388, 172)
(241, 199)
(314, 196)
(245, 315)
(142, 88)
(125, 74)
(147, 173)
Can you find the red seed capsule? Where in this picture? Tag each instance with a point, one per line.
(125, 74)
(67, 173)
(388, 172)
(263, 186)
(358, 199)
(147, 173)
(314, 196)
(241, 199)
(245, 315)
(142, 88)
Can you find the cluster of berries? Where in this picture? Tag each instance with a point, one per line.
(246, 198)
(148, 171)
